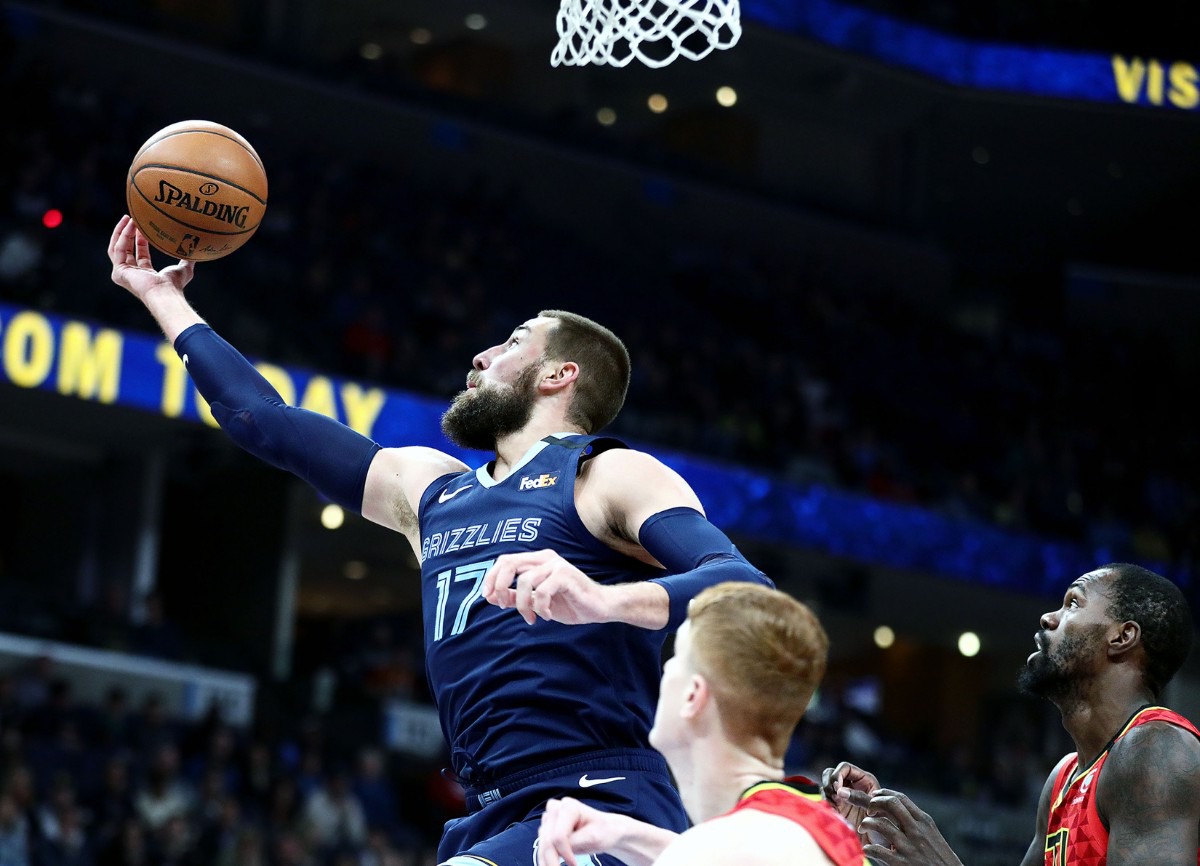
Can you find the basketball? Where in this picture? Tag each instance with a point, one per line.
(197, 190)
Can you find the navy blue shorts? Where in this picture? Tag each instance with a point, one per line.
(502, 825)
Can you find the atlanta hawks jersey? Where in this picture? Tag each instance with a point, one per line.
(512, 695)
(1075, 835)
(799, 800)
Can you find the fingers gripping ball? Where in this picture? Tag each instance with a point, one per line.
(197, 190)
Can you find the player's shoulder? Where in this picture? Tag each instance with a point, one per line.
(1152, 746)
(620, 466)
(747, 836)
(1153, 769)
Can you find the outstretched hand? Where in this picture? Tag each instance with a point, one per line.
(543, 584)
(133, 269)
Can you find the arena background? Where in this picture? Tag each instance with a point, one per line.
(917, 315)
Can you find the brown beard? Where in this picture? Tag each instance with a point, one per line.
(479, 417)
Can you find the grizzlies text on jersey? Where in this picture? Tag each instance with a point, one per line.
(510, 695)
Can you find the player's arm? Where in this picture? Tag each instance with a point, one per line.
(570, 829)
(1149, 796)
(640, 507)
(647, 502)
(333, 458)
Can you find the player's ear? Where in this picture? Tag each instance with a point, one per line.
(1127, 635)
(696, 696)
(558, 375)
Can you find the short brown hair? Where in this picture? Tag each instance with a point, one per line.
(604, 367)
(763, 653)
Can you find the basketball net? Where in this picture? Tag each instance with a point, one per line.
(655, 32)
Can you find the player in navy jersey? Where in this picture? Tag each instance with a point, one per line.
(747, 662)
(1130, 792)
(550, 576)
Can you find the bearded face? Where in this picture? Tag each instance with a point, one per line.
(1060, 672)
(479, 417)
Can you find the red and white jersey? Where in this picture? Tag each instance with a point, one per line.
(1075, 835)
(799, 800)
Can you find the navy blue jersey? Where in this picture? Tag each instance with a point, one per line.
(512, 695)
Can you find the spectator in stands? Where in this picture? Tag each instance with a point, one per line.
(377, 794)
(151, 728)
(333, 814)
(129, 847)
(164, 794)
(284, 816)
(258, 773)
(68, 844)
(19, 786)
(32, 683)
(220, 832)
(112, 724)
(174, 843)
(249, 850)
(15, 837)
(111, 804)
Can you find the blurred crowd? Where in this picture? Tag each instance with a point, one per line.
(125, 783)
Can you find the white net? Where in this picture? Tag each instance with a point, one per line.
(654, 32)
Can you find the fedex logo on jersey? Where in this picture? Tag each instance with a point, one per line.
(537, 482)
(523, 529)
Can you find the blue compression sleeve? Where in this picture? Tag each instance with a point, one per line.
(697, 554)
(327, 454)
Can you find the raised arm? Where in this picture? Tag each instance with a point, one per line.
(331, 457)
(1149, 796)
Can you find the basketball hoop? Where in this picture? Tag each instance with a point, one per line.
(655, 32)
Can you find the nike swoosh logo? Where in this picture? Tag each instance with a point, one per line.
(585, 782)
(446, 497)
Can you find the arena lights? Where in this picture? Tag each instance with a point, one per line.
(370, 51)
(968, 644)
(657, 103)
(475, 21)
(354, 569)
(606, 116)
(420, 36)
(726, 97)
(884, 637)
(332, 516)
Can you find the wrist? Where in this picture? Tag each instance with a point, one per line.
(170, 310)
(645, 604)
(638, 843)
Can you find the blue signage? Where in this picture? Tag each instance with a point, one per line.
(1169, 82)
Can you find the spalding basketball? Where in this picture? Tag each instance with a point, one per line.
(197, 190)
